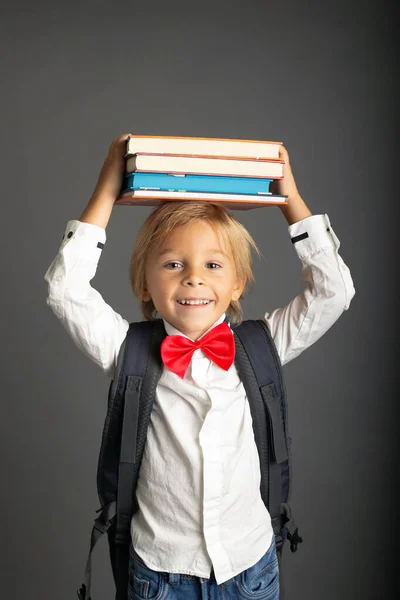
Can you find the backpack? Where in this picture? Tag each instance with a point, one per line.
(130, 401)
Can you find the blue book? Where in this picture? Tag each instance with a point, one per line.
(195, 183)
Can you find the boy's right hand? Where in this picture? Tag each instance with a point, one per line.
(112, 172)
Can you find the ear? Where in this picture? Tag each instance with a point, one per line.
(238, 290)
(146, 296)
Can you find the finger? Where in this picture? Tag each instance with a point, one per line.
(120, 140)
(124, 137)
(283, 153)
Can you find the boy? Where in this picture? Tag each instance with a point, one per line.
(201, 521)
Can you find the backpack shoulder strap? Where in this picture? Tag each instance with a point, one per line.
(130, 400)
(258, 372)
(260, 369)
(141, 372)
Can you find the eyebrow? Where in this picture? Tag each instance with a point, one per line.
(211, 251)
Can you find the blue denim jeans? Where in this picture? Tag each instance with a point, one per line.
(260, 581)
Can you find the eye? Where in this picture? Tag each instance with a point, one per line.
(170, 265)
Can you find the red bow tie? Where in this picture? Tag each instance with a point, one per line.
(218, 344)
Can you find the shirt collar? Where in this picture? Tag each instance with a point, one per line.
(171, 330)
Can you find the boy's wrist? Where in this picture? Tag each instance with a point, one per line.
(98, 210)
(295, 210)
(102, 197)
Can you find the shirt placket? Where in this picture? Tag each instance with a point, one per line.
(210, 442)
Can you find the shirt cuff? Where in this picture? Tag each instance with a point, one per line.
(89, 231)
(311, 234)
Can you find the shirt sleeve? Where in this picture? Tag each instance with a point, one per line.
(97, 330)
(328, 292)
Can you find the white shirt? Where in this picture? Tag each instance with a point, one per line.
(199, 483)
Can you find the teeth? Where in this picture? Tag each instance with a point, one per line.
(193, 301)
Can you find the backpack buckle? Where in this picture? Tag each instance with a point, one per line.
(290, 525)
(105, 519)
(294, 539)
(101, 525)
(82, 592)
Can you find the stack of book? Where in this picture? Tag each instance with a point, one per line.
(234, 172)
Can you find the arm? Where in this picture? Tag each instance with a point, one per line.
(97, 330)
(328, 292)
(100, 205)
(329, 286)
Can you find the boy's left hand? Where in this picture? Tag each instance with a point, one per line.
(286, 186)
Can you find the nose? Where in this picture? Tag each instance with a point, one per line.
(192, 277)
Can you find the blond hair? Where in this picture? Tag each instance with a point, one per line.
(169, 215)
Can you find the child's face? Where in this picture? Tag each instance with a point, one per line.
(193, 263)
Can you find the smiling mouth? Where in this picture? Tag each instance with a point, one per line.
(204, 302)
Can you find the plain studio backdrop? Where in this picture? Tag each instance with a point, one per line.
(318, 76)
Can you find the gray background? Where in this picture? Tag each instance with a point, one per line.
(319, 76)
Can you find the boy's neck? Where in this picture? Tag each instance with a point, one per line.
(171, 330)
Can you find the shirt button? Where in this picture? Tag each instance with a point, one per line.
(70, 234)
